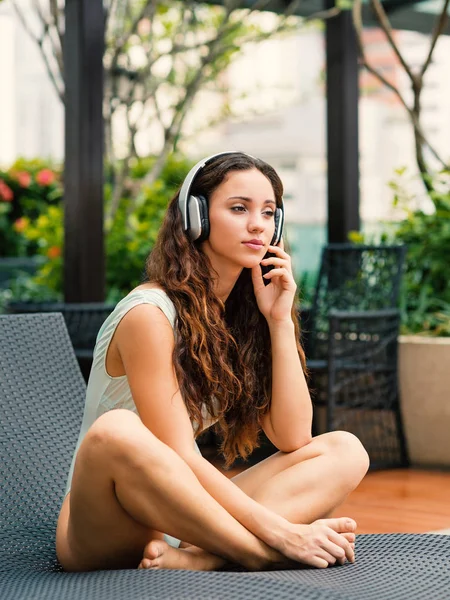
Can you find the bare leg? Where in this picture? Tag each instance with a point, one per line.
(311, 482)
(127, 484)
(301, 486)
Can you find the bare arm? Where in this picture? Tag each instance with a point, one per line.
(288, 422)
(145, 341)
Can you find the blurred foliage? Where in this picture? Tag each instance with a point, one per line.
(306, 285)
(425, 229)
(128, 242)
(27, 189)
(131, 236)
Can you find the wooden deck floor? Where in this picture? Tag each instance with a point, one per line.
(407, 501)
(398, 501)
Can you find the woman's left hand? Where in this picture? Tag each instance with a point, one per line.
(275, 300)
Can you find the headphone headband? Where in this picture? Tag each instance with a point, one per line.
(186, 187)
(194, 210)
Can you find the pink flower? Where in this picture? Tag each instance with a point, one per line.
(6, 193)
(45, 177)
(23, 178)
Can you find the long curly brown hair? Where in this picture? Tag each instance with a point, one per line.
(222, 355)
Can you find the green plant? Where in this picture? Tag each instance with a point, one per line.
(425, 229)
(129, 237)
(27, 188)
(47, 232)
(426, 232)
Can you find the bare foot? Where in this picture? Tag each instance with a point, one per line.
(159, 555)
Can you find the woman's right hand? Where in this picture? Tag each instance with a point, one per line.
(320, 544)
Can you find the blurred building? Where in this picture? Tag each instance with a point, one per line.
(31, 115)
(275, 91)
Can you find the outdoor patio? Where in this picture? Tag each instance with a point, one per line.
(375, 320)
(396, 501)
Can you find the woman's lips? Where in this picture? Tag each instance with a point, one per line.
(253, 246)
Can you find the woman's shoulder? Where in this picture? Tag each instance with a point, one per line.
(140, 295)
(147, 287)
(149, 293)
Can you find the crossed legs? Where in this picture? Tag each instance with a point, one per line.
(128, 487)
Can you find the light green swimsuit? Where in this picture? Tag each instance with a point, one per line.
(106, 393)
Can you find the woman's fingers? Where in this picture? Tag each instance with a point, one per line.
(279, 272)
(342, 543)
(318, 562)
(323, 541)
(339, 524)
(276, 262)
(278, 252)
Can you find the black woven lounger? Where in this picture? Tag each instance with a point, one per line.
(42, 396)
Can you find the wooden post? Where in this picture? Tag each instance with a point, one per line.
(342, 126)
(84, 271)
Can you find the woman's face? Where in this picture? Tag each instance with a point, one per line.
(241, 215)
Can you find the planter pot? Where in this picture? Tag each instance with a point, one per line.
(424, 381)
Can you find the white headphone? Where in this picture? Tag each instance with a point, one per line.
(194, 209)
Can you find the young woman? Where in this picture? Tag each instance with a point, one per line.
(208, 338)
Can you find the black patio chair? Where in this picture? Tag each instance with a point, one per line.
(83, 322)
(351, 348)
(42, 396)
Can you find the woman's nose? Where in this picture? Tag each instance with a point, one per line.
(256, 223)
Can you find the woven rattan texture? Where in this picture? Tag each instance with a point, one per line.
(353, 278)
(42, 396)
(163, 585)
(388, 567)
(353, 357)
(83, 320)
(362, 392)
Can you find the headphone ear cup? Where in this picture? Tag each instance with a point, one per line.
(204, 218)
(277, 218)
(198, 229)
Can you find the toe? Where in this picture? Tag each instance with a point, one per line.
(145, 564)
(154, 549)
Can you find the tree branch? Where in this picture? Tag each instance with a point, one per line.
(387, 29)
(323, 15)
(358, 24)
(54, 11)
(40, 42)
(149, 6)
(438, 29)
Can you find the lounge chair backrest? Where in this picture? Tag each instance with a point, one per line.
(42, 395)
(357, 278)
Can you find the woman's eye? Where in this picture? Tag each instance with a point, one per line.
(240, 208)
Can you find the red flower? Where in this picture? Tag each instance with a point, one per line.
(20, 224)
(23, 179)
(54, 252)
(6, 193)
(45, 177)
